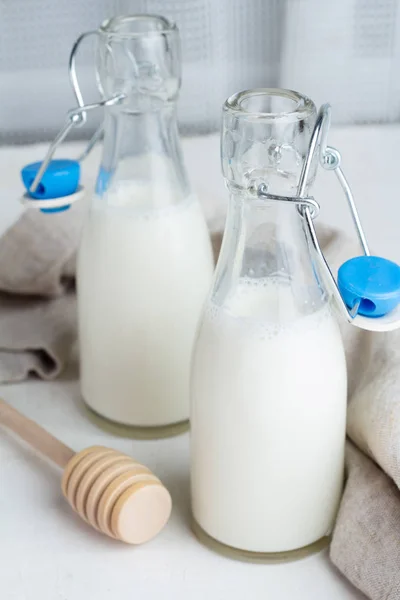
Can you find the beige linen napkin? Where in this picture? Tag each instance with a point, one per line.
(37, 299)
(38, 328)
(365, 545)
(366, 541)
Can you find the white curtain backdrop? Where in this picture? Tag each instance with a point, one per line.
(346, 52)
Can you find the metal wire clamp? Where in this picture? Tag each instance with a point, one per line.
(330, 159)
(75, 118)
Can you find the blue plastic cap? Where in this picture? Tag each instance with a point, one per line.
(374, 280)
(61, 178)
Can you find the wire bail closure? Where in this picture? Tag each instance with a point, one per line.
(75, 118)
(330, 159)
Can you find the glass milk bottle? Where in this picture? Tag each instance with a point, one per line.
(145, 260)
(269, 375)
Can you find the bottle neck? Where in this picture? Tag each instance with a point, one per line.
(265, 242)
(143, 149)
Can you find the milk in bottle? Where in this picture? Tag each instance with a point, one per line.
(145, 260)
(268, 406)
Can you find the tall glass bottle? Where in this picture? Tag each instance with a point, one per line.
(145, 260)
(269, 375)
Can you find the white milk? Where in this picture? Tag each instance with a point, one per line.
(143, 276)
(268, 421)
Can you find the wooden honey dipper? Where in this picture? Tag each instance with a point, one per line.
(109, 490)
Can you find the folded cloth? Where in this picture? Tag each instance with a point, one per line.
(365, 545)
(366, 540)
(37, 253)
(36, 335)
(37, 299)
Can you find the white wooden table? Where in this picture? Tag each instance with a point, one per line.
(46, 553)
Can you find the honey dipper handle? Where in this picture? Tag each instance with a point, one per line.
(34, 435)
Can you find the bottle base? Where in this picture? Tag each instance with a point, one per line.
(257, 557)
(135, 432)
